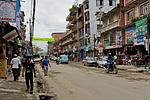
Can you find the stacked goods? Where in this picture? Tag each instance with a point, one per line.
(3, 62)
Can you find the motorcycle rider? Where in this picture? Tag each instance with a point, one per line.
(109, 59)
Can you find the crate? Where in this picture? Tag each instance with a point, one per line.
(3, 72)
(2, 51)
(3, 63)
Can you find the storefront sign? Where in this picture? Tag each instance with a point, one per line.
(7, 11)
(140, 40)
(113, 47)
(130, 33)
(100, 49)
(42, 39)
(106, 44)
(141, 27)
(119, 38)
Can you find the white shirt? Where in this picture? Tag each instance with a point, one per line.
(15, 63)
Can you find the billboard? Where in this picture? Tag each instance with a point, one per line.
(42, 39)
(7, 11)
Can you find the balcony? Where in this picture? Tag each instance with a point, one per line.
(111, 26)
(74, 20)
(69, 25)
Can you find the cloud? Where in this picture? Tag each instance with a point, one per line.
(50, 17)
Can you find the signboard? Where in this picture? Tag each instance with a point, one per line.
(106, 44)
(130, 33)
(141, 27)
(7, 11)
(140, 40)
(119, 38)
(100, 49)
(113, 47)
(42, 39)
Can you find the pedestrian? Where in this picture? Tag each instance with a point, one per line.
(41, 62)
(28, 68)
(78, 58)
(20, 58)
(15, 62)
(46, 63)
(96, 61)
(147, 61)
(115, 58)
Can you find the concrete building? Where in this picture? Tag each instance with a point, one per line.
(92, 25)
(111, 35)
(134, 26)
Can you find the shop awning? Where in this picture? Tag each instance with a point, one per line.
(10, 33)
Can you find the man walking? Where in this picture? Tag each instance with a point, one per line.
(46, 62)
(15, 62)
(28, 67)
(147, 61)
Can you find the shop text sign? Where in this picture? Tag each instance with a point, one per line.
(140, 39)
(7, 11)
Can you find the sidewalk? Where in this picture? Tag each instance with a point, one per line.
(16, 90)
(129, 68)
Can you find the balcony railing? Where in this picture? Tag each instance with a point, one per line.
(111, 26)
(68, 25)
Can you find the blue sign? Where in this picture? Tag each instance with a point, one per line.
(140, 39)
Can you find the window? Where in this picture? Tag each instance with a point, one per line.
(145, 9)
(105, 23)
(118, 16)
(99, 2)
(88, 40)
(86, 16)
(130, 15)
(111, 20)
(112, 2)
(86, 6)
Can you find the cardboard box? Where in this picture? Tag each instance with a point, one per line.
(2, 51)
(3, 63)
(3, 72)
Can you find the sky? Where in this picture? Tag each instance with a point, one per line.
(50, 17)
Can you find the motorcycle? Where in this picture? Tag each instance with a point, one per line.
(113, 67)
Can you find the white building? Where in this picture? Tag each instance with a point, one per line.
(92, 25)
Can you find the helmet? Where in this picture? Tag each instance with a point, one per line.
(109, 54)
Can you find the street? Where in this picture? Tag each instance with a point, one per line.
(74, 81)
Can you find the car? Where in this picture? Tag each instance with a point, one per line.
(36, 58)
(101, 62)
(89, 61)
(84, 59)
(64, 59)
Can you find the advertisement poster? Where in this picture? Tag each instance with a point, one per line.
(119, 38)
(130, 33)
(141, 27)
(7, 11)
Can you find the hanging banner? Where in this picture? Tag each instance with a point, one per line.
(42, 39)
(141, 27)
(7, 11)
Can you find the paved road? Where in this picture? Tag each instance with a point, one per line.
(75, 82)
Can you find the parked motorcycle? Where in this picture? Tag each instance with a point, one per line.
(113, 67)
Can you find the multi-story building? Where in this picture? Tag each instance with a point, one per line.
(81, 30)
(134, 26)
(56, 36)
(111, 36)
(92, 24)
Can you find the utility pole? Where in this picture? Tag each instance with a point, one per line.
(148, 28)
(94, 44)
(32, 26)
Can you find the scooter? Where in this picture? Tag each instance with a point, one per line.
(113, 67)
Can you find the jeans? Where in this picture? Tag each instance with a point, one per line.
(108, 67)
(45, 70)
(95, 64)
(29, 76)
(15, 73)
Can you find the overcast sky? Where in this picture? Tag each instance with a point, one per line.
(50, 17)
